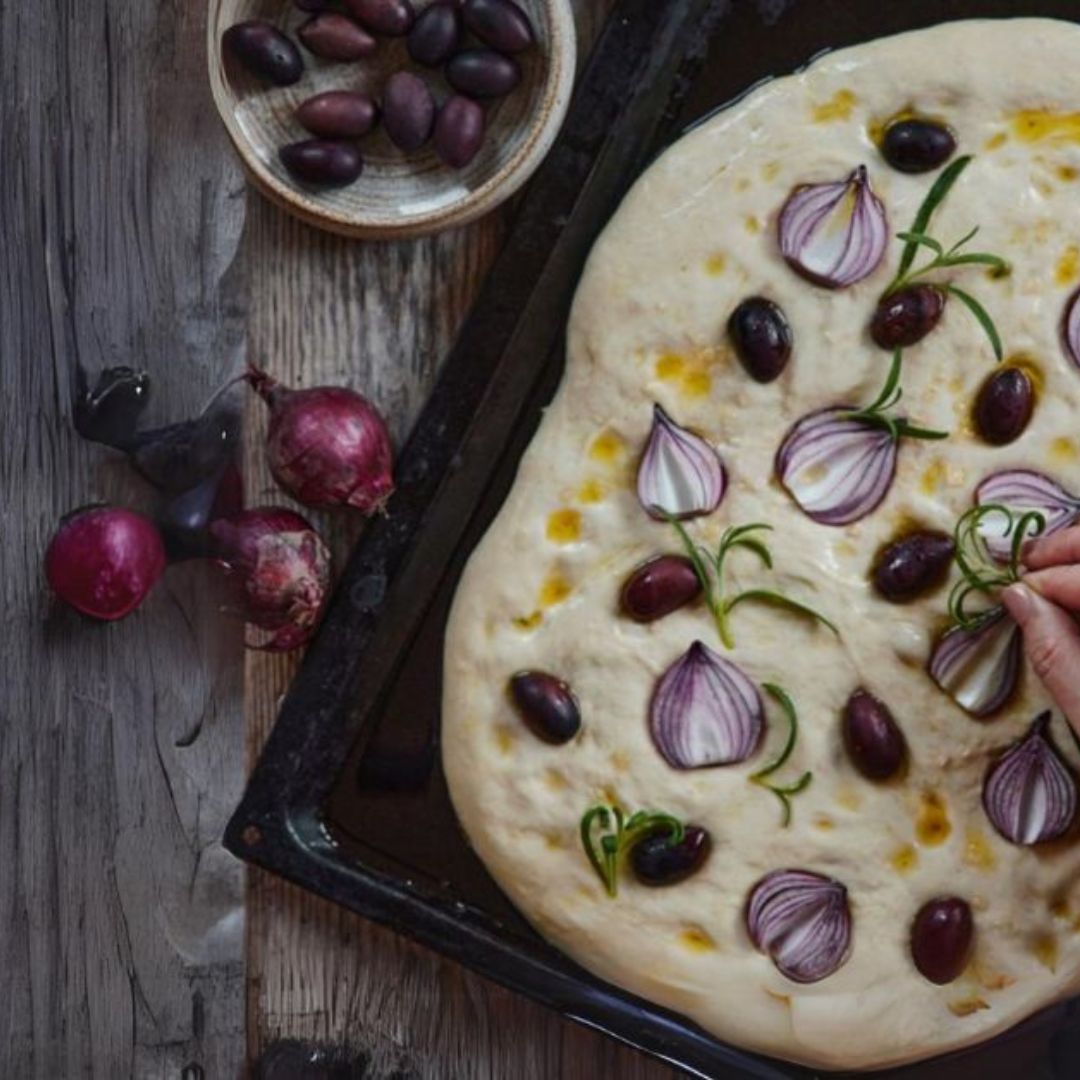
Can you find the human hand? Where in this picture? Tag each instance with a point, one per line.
(1046, 604)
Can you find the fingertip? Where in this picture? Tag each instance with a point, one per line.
(1019, 602)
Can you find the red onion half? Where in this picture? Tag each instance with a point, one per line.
(1022, 491)
(1030, 793)
(705, 711)
(680, 475)
(838, 469)
(834, 234)
(802, 921)
(1070, 329)
(327, 446)
(978, 666)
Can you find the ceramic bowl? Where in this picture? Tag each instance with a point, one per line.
(397, 195)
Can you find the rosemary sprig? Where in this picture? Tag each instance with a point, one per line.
(709, 568)
(917, 238)
(979, 573)
(783, 792)
(877, 412)
(618, 834)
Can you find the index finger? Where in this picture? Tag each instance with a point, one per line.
(1056, 550)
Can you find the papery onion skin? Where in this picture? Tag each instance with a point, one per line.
(802, 921)
(807, 222)
(863, 465)
(1030, 793)
(680, 474)
(1023, 490)
(1070, 329)
(705, 711)
(956, 657)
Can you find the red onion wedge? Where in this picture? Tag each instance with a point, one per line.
(1070, 329)
(838, 469)
(834, 234)
(802, 921)
(978, 666)
(1023, 491)
(705, 711)
(1030, 793)
(680, 475)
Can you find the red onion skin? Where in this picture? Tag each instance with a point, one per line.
(327, 446)
(104, 560)
(281, 571)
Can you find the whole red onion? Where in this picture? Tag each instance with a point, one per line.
(327, 446)
(281, 569)
(104, 560)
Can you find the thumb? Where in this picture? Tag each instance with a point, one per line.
(1052, 643)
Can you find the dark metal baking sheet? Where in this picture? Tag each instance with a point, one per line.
(348, 797)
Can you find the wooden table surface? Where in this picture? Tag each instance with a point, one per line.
(131, 943)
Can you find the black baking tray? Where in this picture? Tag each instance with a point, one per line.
(348, 798)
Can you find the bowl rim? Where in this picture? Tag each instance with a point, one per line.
(557, 87)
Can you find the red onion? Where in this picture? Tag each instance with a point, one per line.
(1070, 329)
(802, 921)
(834, 234)
(680, 475)
(1021, 491)
(281, 568)
(104, 560)
(705, 711)
(838, 469)
(327, 446)
(1030, 793)
(978, 666)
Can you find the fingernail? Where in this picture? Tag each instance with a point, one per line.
(1019, 600)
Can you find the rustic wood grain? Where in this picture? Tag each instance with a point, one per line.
(379, 316)
(121, 747)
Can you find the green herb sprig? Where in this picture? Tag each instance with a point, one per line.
(709, 568)
(917, 237)
(784, 792)
(877, 412)
(606, 836)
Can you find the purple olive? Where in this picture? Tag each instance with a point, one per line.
(483, 73)
(436, 34)
(336, 37)
(338, 114)
(915, 146)
(657, 861)
(762, 338)
(906, 317)
(659, 587)
(323, 162)
(941, 939)
(391, 18)
(1004, 406)
(459, 131)
(872, 739)
(547, 705)
(265, 51)
(500, 24)
(913, 565)
(408, 110)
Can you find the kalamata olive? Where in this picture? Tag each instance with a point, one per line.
(761, 335)
(657, 861)
(391, 18)
(336, 37)
(941, 938)
(321, 161)
(915, 146)
(436, 33)
(408, 110)
(913, 565)
(906, 317)
(659, 587)
(459, 131)
(872, 739)
(1004, 406)
(483, 73)
(547, 706)
(500, 24)
(264, 50)
(338, 114)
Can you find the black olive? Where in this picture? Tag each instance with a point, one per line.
(408, 111)
(336, 37)
(1004, 406)
(547, 706)
(264, 50)
(500, 24)
(941, 938)
(657, 861)
(482, 73)
(906, 317)
(338, 114)
(459, 131)
(322, 161)
(659, 587)
(436, 34)
(915, 146)
(913, 565)
(762, 338)
(872, 739)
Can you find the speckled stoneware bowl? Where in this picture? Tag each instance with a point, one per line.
(398, 194)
